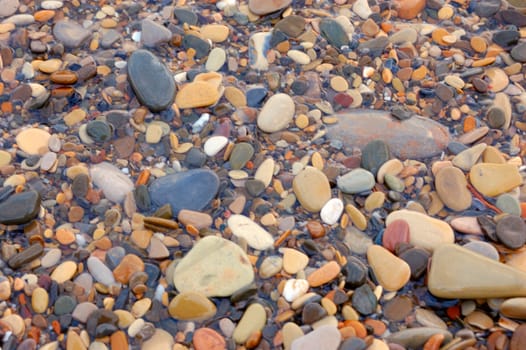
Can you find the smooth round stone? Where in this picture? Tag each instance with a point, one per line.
(391, 167)
(276, 113)
(356, 181)
(208, 339)
(216, 59)
(215, 267)
(391, 272)
(292, 25)
(518, 53)
(333, 32)
(33, 141)
(258, 7)
(409, 9)
(265, 171)
(241, 154)
(294, 289)
(331, 211)
(214, 145)
(494, 179)
(71, 34)
(514, 308)
(201, 46)
(256, 236)
(191, 306)
(193, 189)
(508, 204)
(312, 312)
(417, 337)
(417, 259)
(451, 186)
(498, 79)
(483, 248)
(374, 155)
(100, 272)
(186, 15)
(466, 224)
(83, 310)
(270, 266)
(338, 83)
(99, 131)
(294, 261)
(64, 272)
(64, 304)
(428, 318)
(197, 94)
(253, 320)
(324, 274)
(51, 258)
(496, 117)
(312, 189)
(395, 233)
(161, 339)
(398, 308)
(424, 231)
(20, 208)
(114, 183)
(153, 33)
(298, 56)
(355, 273)
(151, 80)
(217, 33)
(394, 183)
(511, 231)
(363, 300)
(129, 265)
(39, 300)
(153, 133)
(291, 331)
(326, 337)
(235, 96)
(467, 158)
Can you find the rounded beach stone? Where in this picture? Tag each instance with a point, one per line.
(325, 337)
(276, 113)
(270, 266)
(451, 186)
(324, 274)
(197, 94)
(151, 80)
(100, 272)
(356, 181)
(191, 306)
(215, 267)
(33, 141)
(241, 154)
(265, 171)
(217, 33)
(20, 208)
(253, 320)
(424, 231)
(70, 33)
(39, 300)
(331, 211)
(114, 183)
(508, 204)
(417, 337)
(333, 32)
(294, 261)
(214, 145)
(295, 288)
(514, 308)
(409, 9)
(494, 179)
(391, 272)
(64, 272)
(208, 339)
(258, 7)
(374, 155)
(511, 231)
(396, 232)
(312, 189)
(256, 236)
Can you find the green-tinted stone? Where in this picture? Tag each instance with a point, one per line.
(508, 204)
(374, 154)
(333, 32)
(240, 155)
(394, 182)
(99, 131)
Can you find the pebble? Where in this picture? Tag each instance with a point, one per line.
(64, 272)
(391, 272)
(269, 120)
(424, 231)
(241, 154)
(294, 289)
(356, 181)
(508, 204)
(111, 180)
(208, 339)
(153, 34)
(363, 300)
(253, 320)
(451, 186)
(326, 337)
(331, 211)
(39, 300)
(216, 59)
(294, 261)
(100, 272)
(299, 57)
(265, 8)
(312, 189)
(417, 337)
(494, 179)
(215, 267)
(71, 34)
(255, 236)
(324, 274)
(191, 306)
(511, 231)
(20, 208)
(217, 33)
(195, 189)
(333, 32)
(197, 94)
(33, 141)
(151, 80)
(270, 266)
(483, 248)
(514, 308)
(396, 232)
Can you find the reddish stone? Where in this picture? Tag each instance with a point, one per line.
(396, 232)
(128, 266)
(518, 339)
(409, 9)
(315, 229)
(343, 99)
(208, 339)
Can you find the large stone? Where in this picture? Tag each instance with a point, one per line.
(215, 267)
(312, 189)
(333, 32)
(151, 80)
(70, 33)
(451, 187)
(494, 179)
(424, 231)
(414, 138)
(391, 272)
(256, 236)
(193, 190)
(33, 141)
(276, 114)
(114, 183)
(20, 208)
(264, 7)
(191, 306)
(325, 337)
(153, 33)
(457, 272)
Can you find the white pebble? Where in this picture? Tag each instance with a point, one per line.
(295, 288)
(200, 123)
(331, 211)
(214, 145)
(51, 4)
(299, 57)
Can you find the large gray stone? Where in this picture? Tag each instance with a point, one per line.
(20, 208)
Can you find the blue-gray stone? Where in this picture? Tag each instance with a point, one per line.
(193, 190)
(333, 32)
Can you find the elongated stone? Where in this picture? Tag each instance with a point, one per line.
(424, 231)
(514, 308)
(416, 137)
(25, 256)
(494, 179)
(391, 272)
(256, 236)
(457, 272)
(253, 320)
(416, 337)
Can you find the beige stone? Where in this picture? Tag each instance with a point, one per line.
(312, 189)
(494, 179)
(391, 272)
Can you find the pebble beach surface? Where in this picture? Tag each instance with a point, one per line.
(263, 174)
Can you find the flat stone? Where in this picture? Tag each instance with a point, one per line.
(276, 113)
(256, 236)
(312, 189)
(214, 145)
(299, 57)
(217, 33)
(417, 337)
(100, 272)
(265, 7)
(20, 208)
(241, 154)
(360, 127)
(114, 183)
(153, 33)
(363, 300)
(404, 35)
(99, 131)
(253, 320)
(425, 231)
(333, 32)
(362, 9)
(374, 155)
(40, 300)
(451, 186)
(518, 53)
(70, 33)
(215, 267)
(509, 204)
(467, 158)
(33, 141)
(191, 306)
(396, 232)
(409, 9)
(265, 171)
(494, 179)
(208, 339)
(83, 310)
(483, 248)
(324, 274)
(417, 259)
(294, 261)
(356, 181)
(186, 15)
(270, 266)
(64, 272)
(391, 272)
(292, 25)
(197, 94)
(129, 265)
(514, 308)
(192, 189)
(200, 46)
(466, 224)
(151, 80)
(324, 337)
(475, 275)
(258, 46)
(511, 231)
(160, 339)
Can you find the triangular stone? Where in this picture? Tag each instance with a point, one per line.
(457, 272)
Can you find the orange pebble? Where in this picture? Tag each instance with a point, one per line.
(523, 209)
(434, 342)
(44, 15)
(347, 332)
(378, 326)
(359, 328)
(143, 178)
(208, 339)
(65, 236)
(6, 107)
(470, 123)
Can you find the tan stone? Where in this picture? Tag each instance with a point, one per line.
(217, 33)
(64, 272)
(494, 179)
(451, 187)
(324, 274)
(293, 260)
(33, 141)
(196, 94)
(391, 272)
(312, 189)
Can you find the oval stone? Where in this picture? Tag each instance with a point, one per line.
(20, 208)
(391, 272)
(191, 306)
(114, 183)
(451, 186)
(151, 80)
(277, 113)
(494, 179)
(356, 181)
(253, 320)
(33, 141)
(312, 189)
(255, 235)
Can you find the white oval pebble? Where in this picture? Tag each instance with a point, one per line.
(256, 236)
(331, 211)
(51, 4)
(295, 288)
(20, 20)
(299, 57)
